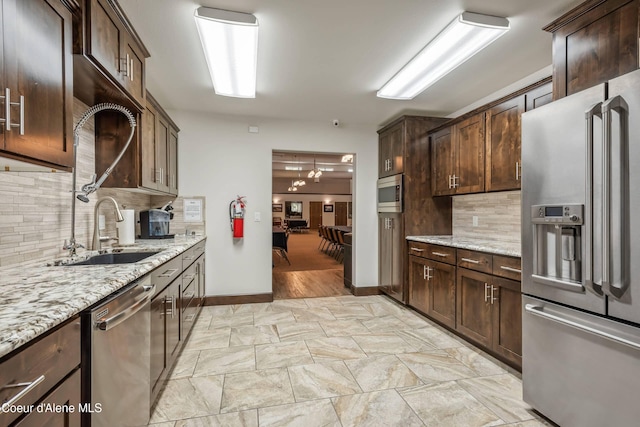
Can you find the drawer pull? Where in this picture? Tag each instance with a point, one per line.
(440, 254)
(472, 261)
(27, 388)
(189, 296)
(417, 250)
(169, 272)
(511, 269)
(190, 318)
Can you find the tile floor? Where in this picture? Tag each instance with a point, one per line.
(337, 361)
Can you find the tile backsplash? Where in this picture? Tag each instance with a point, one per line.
(35, 213)
(498, 216)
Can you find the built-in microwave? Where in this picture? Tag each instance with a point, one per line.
(390, 194)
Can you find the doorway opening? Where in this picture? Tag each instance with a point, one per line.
(312, 196)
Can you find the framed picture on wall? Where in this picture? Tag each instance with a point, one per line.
(328, 208)
(276, 207)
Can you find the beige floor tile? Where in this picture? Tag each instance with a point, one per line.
(289, 304)
(351, 311)
(312, 314)
(252, 335)
(191, 397)
(476, 361)
(322, 380)
(251, 308)
(218, 310)
(231, 320)
(531, 423)
(436, 366)
(388, 343)
(256, 389)
(233, 419)
(282, 355)
(225, 360)
(305, 414)
(429, 338)
(203, 321)
(273, 317)
(207, 339)
(448, 405)
(334, 349)
(376, 409)
(327, 302)
(165, 424)
(387, 323)
(502, 394)
(381, 373)
(185, 364)
(298, 331)
(342, 328)
(350, 299)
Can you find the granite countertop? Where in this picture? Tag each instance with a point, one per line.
(482, 245)
(37, 296)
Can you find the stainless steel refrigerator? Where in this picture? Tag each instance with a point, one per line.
(581, 256)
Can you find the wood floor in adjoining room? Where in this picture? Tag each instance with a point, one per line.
(308, 284)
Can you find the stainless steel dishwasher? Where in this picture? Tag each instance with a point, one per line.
(117, 365)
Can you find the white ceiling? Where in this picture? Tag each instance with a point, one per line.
(325, 59)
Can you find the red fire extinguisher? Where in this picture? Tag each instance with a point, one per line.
(236, 216)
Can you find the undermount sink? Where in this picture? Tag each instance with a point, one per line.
(115, 258)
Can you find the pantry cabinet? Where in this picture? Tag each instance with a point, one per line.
(36, 80)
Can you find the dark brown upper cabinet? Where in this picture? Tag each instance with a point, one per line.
(36, 57)
(595, 42)
(391, 151)
(110, 60)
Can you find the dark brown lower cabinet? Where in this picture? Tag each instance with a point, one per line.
(489, 313)
(432, 289)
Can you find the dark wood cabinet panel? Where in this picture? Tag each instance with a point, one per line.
(443, 162)
(593, 43)
(443, 293)
(391, 151)
(507, 319)
(148, 148)
(105, 36)
(503, 165)
(539, 96)
(39, 79)
(469, 150)
(474, 316)
(419, 295)
(391, 256)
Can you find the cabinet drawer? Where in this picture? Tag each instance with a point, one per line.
(473, 260)
(166, 273)
(505, 266)
(192, 254)
(50, 359)
(418, 249)
(444, 254)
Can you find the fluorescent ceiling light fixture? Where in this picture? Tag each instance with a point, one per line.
(230, 44)
(465, 36)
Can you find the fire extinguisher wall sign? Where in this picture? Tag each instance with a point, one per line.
(236, 216)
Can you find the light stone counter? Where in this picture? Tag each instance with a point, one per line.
(490, 246)
(35, 297)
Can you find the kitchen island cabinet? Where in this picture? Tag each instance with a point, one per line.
(37, 79)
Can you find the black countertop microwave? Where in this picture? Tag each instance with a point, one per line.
(390, 194)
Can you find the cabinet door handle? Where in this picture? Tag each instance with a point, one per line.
(517, 171)
(486, 292)
(472, 261)
(511, 269)
(449, 186)
(7, 108)
(456, 184)
(440, 254)
(493, 289)
(27, 388)
(429, 276)
(169, 273)
(131, 62)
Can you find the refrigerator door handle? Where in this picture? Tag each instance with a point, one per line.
(617, 103)
(537, 310)
(590, 283)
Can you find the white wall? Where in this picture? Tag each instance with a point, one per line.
(328, 218)
(219, 159)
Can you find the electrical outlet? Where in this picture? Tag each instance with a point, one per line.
(475, 221)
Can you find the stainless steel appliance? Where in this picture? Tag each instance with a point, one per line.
(116, 336)
(154, 224)
(580, 247)
(390, 194)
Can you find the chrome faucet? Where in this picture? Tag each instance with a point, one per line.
(89, 188)
(96, 229)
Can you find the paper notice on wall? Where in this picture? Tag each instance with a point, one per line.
(192, 210)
